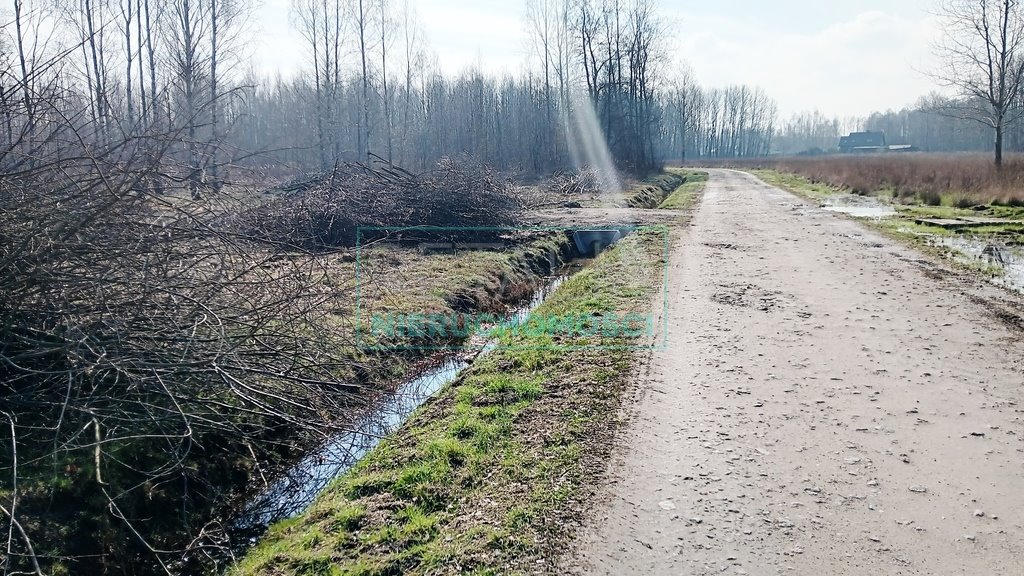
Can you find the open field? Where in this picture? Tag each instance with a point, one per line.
(986, 239)
(961, 180)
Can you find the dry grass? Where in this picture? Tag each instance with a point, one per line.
(952, 179)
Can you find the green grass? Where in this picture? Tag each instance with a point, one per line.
(926, 211)
(1010, 212)
(797, 184)
(686, 195)
(653, 190)
(486, 476)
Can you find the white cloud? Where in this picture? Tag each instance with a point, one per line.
(873, 61)
(836, 60)
(488, 33)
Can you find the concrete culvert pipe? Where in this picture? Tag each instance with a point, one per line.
(593, 242)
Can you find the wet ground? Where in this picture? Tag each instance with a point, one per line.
(830, 402)
(858, 206)
(1006, 261)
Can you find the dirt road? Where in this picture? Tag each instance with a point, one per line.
(830, 404)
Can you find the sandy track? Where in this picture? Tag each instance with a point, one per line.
(829, 404)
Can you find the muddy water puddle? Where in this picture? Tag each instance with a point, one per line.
(858, 206)
(1009, 259)
(968, 249)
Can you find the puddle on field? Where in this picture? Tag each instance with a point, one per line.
(968, 249)
(972, 249)
(296, 489)
(858, 206)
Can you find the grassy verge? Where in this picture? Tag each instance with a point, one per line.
(907, 229)
(489, 475)
(687, 193)
(797, 184)
(653, 190)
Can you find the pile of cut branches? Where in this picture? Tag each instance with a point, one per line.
(328, 209)
(148, 362)
(578, 183)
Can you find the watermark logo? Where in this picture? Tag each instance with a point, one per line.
(455, 326)
(523, 327)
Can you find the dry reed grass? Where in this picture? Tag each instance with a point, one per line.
(954, 179)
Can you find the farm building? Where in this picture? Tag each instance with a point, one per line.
(863, 142)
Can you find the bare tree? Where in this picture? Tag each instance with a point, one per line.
(413, 60)
(226, 17)
(321, 23)
(187, 35)
(127, 15)
(362, 17)
(386, 29)
(983, 50)
(19, 27)
(152, 21)
(542, 18)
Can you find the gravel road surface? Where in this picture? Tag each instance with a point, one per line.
(830, 403)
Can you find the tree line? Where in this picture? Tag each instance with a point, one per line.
(370, 88)
(929, 125)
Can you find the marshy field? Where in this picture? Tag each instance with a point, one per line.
(958, 180)
(958, 206)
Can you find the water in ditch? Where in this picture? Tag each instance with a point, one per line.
(296, 489)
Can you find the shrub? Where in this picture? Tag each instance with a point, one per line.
(931, 198)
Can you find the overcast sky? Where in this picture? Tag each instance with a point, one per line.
(842, 58)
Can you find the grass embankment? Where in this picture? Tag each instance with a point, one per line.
(487, 476)
(395, 281)
(673, 189)
(687, 193)
(402, 279)
(653, 190)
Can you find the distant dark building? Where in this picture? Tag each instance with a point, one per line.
(863, 142)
